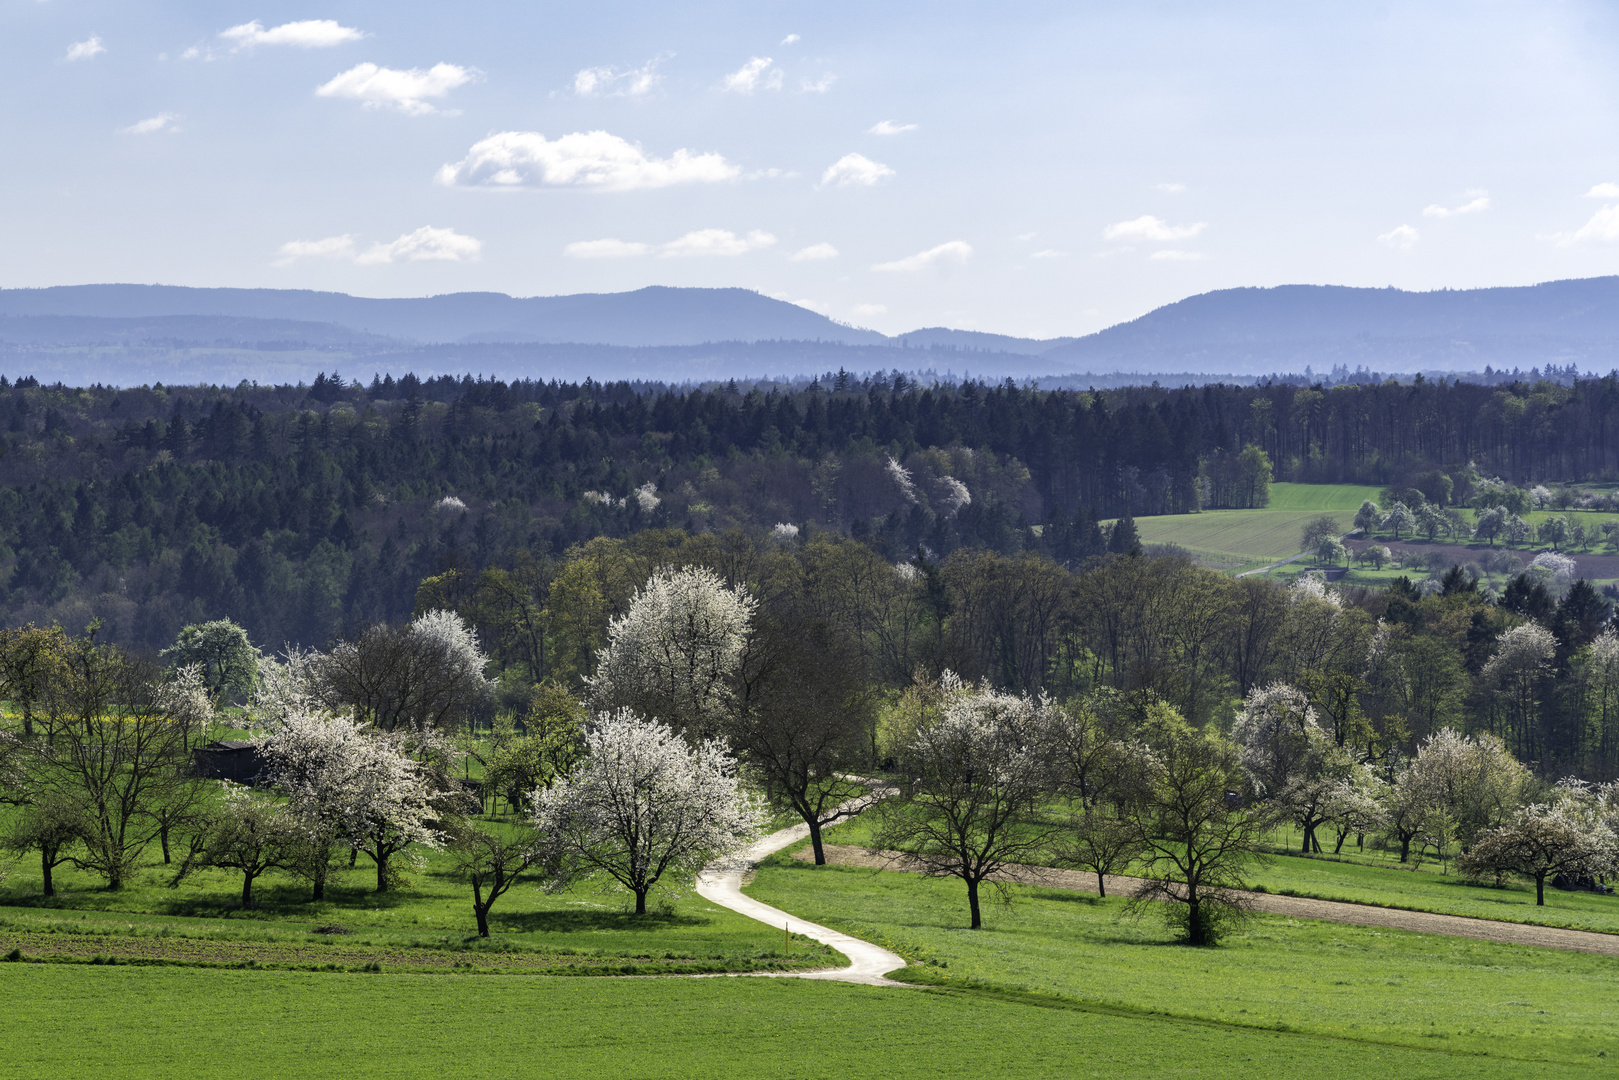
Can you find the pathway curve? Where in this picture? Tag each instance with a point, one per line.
(722, 884)
(1422, 922)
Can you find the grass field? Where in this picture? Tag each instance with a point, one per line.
(428, 926)
(1244, 539)
(1455, 996)
(1378, 878)
(138, 1023)
(1424, 888)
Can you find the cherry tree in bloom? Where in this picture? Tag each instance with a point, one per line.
(976, 774)
(674, 654)
(1290, 758)
(1540, 841)
(346, 785)
(645, 804)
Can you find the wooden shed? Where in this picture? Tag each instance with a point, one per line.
(228, 759)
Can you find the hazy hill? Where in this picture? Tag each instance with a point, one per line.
(1286, 327)
(131, 334)
(652, 316)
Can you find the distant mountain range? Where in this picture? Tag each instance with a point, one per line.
(127, 334)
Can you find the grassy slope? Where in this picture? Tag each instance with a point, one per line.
(1244, 538)
(134, 1023)
(1461, 996)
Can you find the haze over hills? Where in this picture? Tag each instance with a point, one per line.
(130, 334)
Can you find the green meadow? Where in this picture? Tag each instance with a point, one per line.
(1466, 1000)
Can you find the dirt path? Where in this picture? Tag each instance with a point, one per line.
(722, 884)
(1421, 922)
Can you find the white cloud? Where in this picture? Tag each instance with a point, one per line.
(1603, 191)
(790, 39)
(889, 127)
(814, 253)
(308, 34)
(855, 170)
(756, 74)
(152, 125)
(1148, 227)
(715, 242)
(588, 159)
(956, 251)
(333, 247)
(605, 249)
(609, 82)
(426, 244)
(1603, 228)
(817, 86)
(84, 50)
(1173, 189)
(1176, 256)
(406, 91)
(699, 242)
(1025, 237)
(1478, 200)
(1049, 253)
(870, 309)
(1403, 237)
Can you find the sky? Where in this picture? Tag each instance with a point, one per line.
(1031, 169)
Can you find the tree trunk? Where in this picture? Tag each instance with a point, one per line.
(482, 912)
(815, 841)
(1540, 890)
(1101, 884)
(319, 890)
(382, 874)
(163, 838)
(1405, 847)
(247, 891)
(1196, 932)
(640, 901)
(45, 867)
(972, 903)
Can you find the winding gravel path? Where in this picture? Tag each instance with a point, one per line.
(722, 884)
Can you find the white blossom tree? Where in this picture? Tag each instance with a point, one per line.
(1290, 758)
(977, 773)
(1400, 519)
(1541, 841)
(674, 654)
(645, 804)
(1458, 787)
(346, 785)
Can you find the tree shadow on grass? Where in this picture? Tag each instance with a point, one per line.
(574, 922)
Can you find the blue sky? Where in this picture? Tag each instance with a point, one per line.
(1036, 169)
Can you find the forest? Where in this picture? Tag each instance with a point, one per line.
(306, 511)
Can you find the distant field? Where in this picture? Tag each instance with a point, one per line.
(1237, 540)
(1320, 498)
